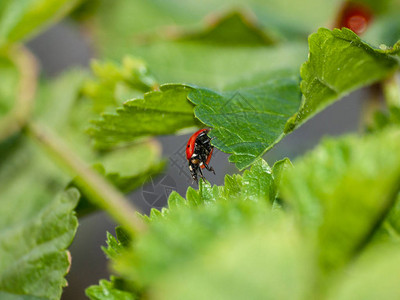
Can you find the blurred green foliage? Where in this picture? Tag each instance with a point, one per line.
(326, 227)
(20, 19)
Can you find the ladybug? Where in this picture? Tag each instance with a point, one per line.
(198, 153)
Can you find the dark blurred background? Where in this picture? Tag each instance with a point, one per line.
(64, 46)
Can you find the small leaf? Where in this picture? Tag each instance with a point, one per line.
(117, 288)
(123, 237)
(250, 121)
(343, 190)
(279, 168)
(115, 246)
(339, 62)
(383, 119)
(113, 83)
(107, 290)
(163, 112)
(258, 184)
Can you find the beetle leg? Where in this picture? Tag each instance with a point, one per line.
(201, 175)
(211, 169)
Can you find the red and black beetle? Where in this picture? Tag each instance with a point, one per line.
(198, 153)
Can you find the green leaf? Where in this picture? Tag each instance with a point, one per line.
(254, 262)
(123, 237)
(343, 190)
(279, 169)
(116, 32)
(107, 290)
(35, 228)
(340, 62)
(203, 57)
(390, 114)
(33, 259)
(218, 67)
(117, 288)
(19, 19)
(169, 109)
(162, 112)
(231, 29)
(115, 246)
(249, 121)
(180, 233)
(114, 84)
(259, 184)
(128, 168)
(26, 171)
(383, 119)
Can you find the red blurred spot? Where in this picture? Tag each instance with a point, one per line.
(354, 16)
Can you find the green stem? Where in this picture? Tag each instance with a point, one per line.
(371, 105)
(27, 66)
(391, 90)
(391, 231)
(100, 192)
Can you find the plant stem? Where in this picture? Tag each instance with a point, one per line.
(391, 90)
(391, 231)
(371, 105)
(27, 66)
(100, 192)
